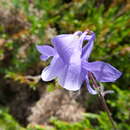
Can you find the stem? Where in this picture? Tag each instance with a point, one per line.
(107, 110)
(91, 76)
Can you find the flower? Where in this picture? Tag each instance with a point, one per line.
(70, 62)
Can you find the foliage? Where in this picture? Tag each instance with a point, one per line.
(100, 121)
(7, 122)
(25, 23)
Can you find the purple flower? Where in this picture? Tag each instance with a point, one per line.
(70, 62)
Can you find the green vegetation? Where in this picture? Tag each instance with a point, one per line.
(25, 23)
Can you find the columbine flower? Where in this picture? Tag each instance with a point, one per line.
(70, 62)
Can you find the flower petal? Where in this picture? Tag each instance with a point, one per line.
(88, 47)
(50, 72)
(90, 89)
(46, 51)
(73, 79)
(102, 71)
(71, 76)
(67, 44)
(43, 57)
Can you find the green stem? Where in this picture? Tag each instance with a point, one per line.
(107, 111)
(91, 76)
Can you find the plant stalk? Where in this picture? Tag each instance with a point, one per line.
(102, 99)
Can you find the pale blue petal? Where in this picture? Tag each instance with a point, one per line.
(87, 49)
(46, 51)
(62, 75)
(90, 89)
(102, 71)
(68, 44)
(44, 57)
(71, 77)
(51, 72)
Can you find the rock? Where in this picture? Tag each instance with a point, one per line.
(58, 103)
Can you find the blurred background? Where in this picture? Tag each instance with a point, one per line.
(26, 102)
